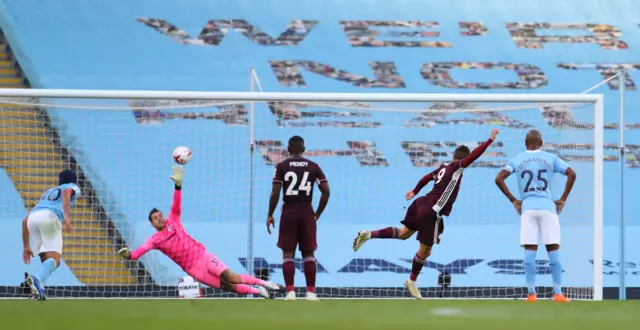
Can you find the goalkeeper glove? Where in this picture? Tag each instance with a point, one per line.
(178, 173)
(125, 252)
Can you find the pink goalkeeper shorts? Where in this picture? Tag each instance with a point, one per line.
(207, 270)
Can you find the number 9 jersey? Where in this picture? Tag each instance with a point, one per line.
(52, 199)
(534, 170)
(297, 176)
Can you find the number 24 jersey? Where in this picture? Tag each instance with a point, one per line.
(297, 176)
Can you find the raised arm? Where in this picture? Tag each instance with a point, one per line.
(477, 152)
(323, 185)
(176, 206)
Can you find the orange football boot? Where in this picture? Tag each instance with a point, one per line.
(560, 298)
(531, 298)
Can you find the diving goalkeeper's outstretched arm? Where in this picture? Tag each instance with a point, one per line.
(176, 207)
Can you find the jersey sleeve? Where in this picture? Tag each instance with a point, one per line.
(510, 167)
(144, 248)
(176, 206)
(278, 174)
(476, 153)
(320, 177)
(425, 180)
(559, 165)
(75, 188)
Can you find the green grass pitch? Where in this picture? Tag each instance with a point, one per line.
(326, 315)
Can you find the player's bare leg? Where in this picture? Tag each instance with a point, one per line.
(288, 271)
(530, 252)
(49, 263)
(245, 289)
(310, 269)
(556, 272)
(51, 255)
(404, 233)
(418, 262)
(233, 278)
(389, 232)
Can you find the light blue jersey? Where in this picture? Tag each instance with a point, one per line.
(534, 171)
(52, 199)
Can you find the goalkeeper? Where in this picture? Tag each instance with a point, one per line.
(173, 240)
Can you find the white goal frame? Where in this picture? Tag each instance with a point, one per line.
(596, 99)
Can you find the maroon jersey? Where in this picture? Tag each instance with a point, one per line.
(446, 186)
(447, 179)
(297, 176)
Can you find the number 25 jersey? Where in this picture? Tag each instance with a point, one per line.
(297, 176)
(534, 170)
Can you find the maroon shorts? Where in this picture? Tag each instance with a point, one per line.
(422, 218)
(297, 227)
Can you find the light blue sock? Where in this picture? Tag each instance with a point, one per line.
(556, 271)
(46, 269)
(530, 269)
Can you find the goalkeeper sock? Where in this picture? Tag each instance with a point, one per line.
(556, 271)
(288, 270)
(389, 232)
(47, 267)
(416, 267)
(310, 273)
(530, 269)
(245, 289)
(248, 279)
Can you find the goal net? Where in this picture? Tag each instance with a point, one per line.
(373, 148)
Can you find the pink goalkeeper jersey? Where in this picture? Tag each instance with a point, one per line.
(173, 240)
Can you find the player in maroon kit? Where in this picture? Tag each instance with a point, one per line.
(425, 213)
(296, 176)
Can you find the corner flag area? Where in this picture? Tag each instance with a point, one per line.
(327, 314)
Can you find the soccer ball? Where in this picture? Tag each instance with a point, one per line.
(181, 155)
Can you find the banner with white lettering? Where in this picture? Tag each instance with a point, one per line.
(189, 288)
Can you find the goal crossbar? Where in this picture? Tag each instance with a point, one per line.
(274, 96)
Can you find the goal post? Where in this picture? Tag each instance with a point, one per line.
(373, 148)
(598, 209)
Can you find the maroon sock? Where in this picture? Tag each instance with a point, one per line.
(416, 267)
(288, 270)
(310, 273)
(389, 232)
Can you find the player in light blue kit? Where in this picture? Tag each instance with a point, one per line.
(534, 171)
(43, 225)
